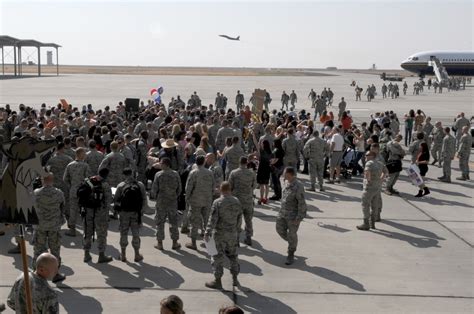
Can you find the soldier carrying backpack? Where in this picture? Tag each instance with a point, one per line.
(94, 198)
(130, 200)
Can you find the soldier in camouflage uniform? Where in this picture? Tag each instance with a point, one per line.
(460, 122)
(224, 132)
(199, 190)
(414, 147)
(448, 151)
(142, 161)
(44, 298)
(464, 149)
(395, 155)
(216, 169)
(57, 165)
(243, 182)
(315, 150)
(293, 100)
(373, 177)
(427, 130)
(223, 225)
(97, 219)
(49, 204)
(437, 136)
(115, 162)
(292, 212)
(239, 101)
(232, 156)
(74, 175)
(130, 218)
(94, 157)
(291, 148)
(165, 190)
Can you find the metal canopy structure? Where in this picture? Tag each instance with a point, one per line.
(17, 45)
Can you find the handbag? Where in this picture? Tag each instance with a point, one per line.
(394, 166)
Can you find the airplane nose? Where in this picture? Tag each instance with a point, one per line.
(404, 65)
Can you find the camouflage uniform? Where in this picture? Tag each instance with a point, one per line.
(293, 208)
(128, 154)
(199, 190)
(93, 159)
(218, 177)
(142, 162)
(224, 220)
(166, 189)
(243, 182)
(371, 194)
(74, 175)
(115, 162)
(315, 150)
(70, 152)
(291, 148)
(212, 134)
(221, 136)
(395, 152)
(43, 297)
(232, 156)
(458, 125)
(49, 208)
(464, 150)
(97, 219)
(57, 165)
(448, 151)
(428, 129)
(437, 135)
(130, 217)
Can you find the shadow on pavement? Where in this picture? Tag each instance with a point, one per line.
(254, 302)
(333, 227)
(278, 260)
(161, 276)
(414, 230)
(75, 302)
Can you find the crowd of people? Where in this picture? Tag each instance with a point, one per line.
(202, 164)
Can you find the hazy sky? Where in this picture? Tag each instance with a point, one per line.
(311, 34)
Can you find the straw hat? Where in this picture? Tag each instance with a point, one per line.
(169, 143)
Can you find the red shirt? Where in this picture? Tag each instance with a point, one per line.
(346, 123)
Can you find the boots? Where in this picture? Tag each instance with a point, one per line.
(87, 257)
(192, 245)
(123, 255)
(159, 245)
(462, 178)
(434, 162)
(420, 193)
(176, 245)
(58, 278)
(312, 188)
(71, 232)
(290, 258)
(321, 188)
(248, 241)
(364, 226)
(372, 220)
(215, 284)
(426, 190)
(235, 281)
(15, 250)
(377, 217)
(104, 258)
(138, 256)
(184, 229)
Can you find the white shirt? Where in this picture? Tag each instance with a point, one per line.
(338, 141)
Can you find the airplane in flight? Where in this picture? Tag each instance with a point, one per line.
(231, 38)
(456, 63)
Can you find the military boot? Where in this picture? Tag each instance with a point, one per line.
(248, 241)
(176, 245)
(15, 250)
(123, 255)
(184, 230)
(462, 178)
(58, 278)
(71, 232)
(192, 245)
(364, 226)
(104, 258)
(138, 257)
(235, 281)
(373, 219)
(290, 258)
(87, 257)
(312, 188)
(159, 245)
(321, 188)
(215, 284)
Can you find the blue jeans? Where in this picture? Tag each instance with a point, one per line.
(408, 133)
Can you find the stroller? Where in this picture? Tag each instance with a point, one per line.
(348, 163)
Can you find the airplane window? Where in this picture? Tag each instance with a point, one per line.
(415, 58)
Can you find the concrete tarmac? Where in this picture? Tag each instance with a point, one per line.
(419, 259)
